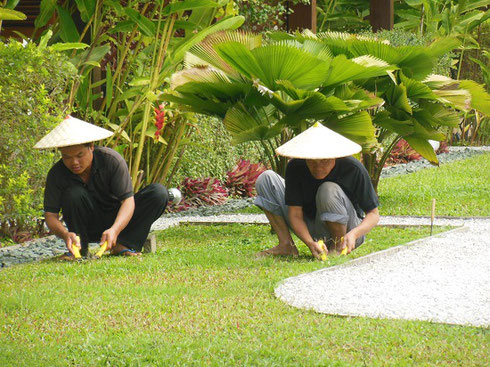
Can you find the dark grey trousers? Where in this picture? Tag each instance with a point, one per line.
(84, 216)
(332, 205)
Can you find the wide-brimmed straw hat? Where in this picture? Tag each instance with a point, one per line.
(72, 131)
(318, 142)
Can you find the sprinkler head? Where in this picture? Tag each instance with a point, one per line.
(174, 195)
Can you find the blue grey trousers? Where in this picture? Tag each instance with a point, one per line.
(332, 205)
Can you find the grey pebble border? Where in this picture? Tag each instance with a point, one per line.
(49, 247)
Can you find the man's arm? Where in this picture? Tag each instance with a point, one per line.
(369, 222)
(57, 228)
(301, 230)
(123, 217)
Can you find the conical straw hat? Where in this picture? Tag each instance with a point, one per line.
(318, 142)
(72, 131)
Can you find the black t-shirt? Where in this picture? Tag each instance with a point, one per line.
(109, 183)
(348, 173)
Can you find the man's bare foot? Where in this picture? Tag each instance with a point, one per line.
(121, 250)
(279, 250)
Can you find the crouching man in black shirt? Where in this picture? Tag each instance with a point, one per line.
(92, 187)
(326, 195)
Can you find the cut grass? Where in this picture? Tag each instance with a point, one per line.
(203, 299)
(460, 188)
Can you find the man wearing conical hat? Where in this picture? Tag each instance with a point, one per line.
(92, 188)
(326, 195)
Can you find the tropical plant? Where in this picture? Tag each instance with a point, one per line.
(32, 101)
(402, 153)
(7, 11)
(240, 181)
(267, 92)
(271, 91)
(130, 52)
(200, 192)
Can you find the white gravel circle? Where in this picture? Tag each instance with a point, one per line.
(444, 278)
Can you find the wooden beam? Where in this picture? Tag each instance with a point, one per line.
(382, 14)
(303, 16)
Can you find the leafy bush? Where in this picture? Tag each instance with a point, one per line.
(265, 15)
(33, 83)
(200, 192)
(241, 180)
(210, 152)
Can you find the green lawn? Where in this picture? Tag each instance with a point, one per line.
(461, 188)
(203, 299)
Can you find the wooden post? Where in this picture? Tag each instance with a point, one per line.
(303, 17)
(381, 14)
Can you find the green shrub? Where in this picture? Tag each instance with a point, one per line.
(33, 83)
(210, 152)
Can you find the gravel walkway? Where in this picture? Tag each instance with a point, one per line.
(443, 278)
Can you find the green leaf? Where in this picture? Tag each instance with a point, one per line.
(69, 46)
(145, 25)
(91, 55)
(92, 63)
(136, 82)
(130, 93)
(68, 29)
(190, 5)
(47, 9)
(184, 46)
(423, 147)
(270, 63)
(11, 4)
(204, 53)
(244, 124)
(442, 46)
(397, 97)
(86, 9)
(316, 106)
(124, 26)
(8, 14)
(343, 70)
(117, 130)
(400, 127)
(436, 115)
(480, 99)
(416, 89)
(357, 127)
(43, 42)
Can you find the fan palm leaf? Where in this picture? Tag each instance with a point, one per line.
(204, 53)
(273, 62)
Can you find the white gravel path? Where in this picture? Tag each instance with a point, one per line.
(443, 278)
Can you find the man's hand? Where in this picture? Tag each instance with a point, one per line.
(109, 235)
(70, 239)
(349, 242)
(316, 249)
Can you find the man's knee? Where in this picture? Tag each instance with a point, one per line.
(265, 179)
(157, 194)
